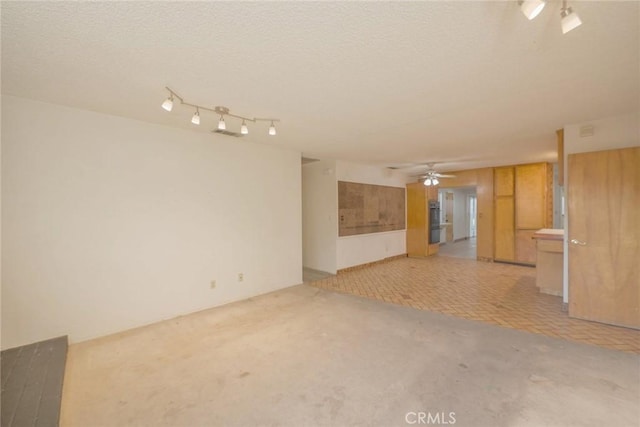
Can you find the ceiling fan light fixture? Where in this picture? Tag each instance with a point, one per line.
(531, 8)
(427, 182)
(435, 181)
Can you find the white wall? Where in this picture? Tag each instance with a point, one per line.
(111, 223)
(319, 215)
(364, 248)
(610, 133)
(461, 212)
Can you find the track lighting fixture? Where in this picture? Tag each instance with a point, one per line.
(222, 111)
(531, 8)
(196, 117)
(568, 18)
(168, 103)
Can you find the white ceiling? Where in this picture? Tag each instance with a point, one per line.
(467, 84)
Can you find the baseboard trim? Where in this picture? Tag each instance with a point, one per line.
(523, 264)
(370, 264)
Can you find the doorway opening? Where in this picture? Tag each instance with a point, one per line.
(458, 222)
(319, 219)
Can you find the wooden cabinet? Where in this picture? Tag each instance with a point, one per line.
(549, 262)
(504, 215)
(504, 229)
(521, 198)
(484, 191)
(526, 252)
(418, 197)
(531, 196)
(503, 181)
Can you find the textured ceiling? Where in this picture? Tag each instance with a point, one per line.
(462, 83)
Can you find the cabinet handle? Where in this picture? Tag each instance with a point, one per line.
(578, 242)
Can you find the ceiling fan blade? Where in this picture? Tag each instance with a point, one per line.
(439, 175)
(408, 166)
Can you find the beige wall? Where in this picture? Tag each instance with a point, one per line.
(111, 223)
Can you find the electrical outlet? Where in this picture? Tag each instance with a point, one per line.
(240, 277)
(213, 284)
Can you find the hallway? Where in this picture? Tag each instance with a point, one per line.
(460, 249)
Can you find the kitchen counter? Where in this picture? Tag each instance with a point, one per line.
(549, 243)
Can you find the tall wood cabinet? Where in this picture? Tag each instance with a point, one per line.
(522, 199)
(504, 213)
(418, 197)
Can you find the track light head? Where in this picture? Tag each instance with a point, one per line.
(196, 117)
(244, 130)
(569, 19)
(221, 123)
(168, 103)
(531, 8)
(272, 129)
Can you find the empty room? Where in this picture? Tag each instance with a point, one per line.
(320, 213)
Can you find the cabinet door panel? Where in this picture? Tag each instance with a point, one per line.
(504, 229)
(525, 247)
(503, 181)
(417, 220)
(531, 192)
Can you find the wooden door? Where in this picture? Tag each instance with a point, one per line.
(603, 196)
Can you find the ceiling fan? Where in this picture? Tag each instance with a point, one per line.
(431, 176)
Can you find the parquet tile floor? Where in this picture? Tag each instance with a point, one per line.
(500, 294)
